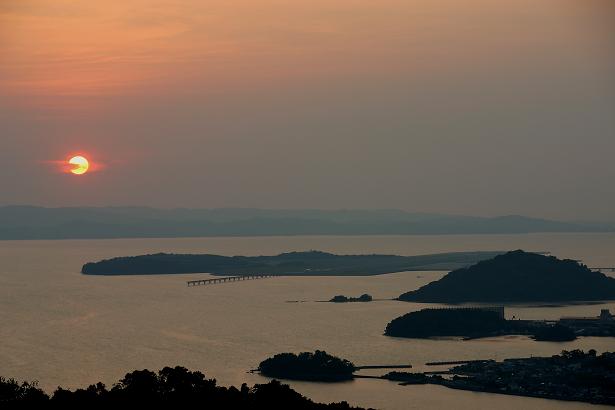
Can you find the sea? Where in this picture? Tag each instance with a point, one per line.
(62, 328)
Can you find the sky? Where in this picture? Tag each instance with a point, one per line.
(474, 107)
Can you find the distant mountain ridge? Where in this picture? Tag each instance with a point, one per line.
(31, 222)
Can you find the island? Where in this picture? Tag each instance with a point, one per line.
(517, 276)
(344, 299)
(291, 263)
(464, 322)
(554, 333)
(317, 366)
(173, 387)
(572, 375)
(483, 321)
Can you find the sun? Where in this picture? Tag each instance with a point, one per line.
(79, 165)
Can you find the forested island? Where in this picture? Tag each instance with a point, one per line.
(476, 322)
(291, 263)
(317, 366)
(345, 299)
(518, 276)
(572, 375)
(462, 322)
(172, 387)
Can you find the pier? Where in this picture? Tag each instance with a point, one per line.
(224, 279)
(454, 362)
(392, 366)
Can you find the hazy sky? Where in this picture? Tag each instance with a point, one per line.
(472, 107)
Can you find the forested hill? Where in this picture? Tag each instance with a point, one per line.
(518, 276)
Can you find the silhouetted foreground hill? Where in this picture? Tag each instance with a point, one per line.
(317, 366)
(170, 386)
(293, 263)
(518, 276)
(29, 222)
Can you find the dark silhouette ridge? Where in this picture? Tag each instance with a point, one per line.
(292, 263)
(317, 366)
(518, 276)
(170, 386)
(30, 222)
(26, 392)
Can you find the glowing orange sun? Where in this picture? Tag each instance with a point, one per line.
(79, 165)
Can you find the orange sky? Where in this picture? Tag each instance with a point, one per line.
(63, 49)
(160, 80)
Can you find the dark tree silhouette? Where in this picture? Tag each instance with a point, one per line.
(170, 386)
(13, 391)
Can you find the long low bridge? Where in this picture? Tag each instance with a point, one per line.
(224, 279)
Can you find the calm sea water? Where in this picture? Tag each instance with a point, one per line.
(63, 328)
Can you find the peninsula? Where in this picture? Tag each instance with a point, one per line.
(312, 263)
(518, 276)
(572, 375)
(476, 322)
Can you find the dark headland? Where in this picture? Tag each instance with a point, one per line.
(293, 263)
(518, 276)
(484, 321)
(573, 375)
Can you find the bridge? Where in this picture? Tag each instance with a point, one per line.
(224, 279)
(607, 269)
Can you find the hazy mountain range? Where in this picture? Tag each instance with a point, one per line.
(30, 222)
